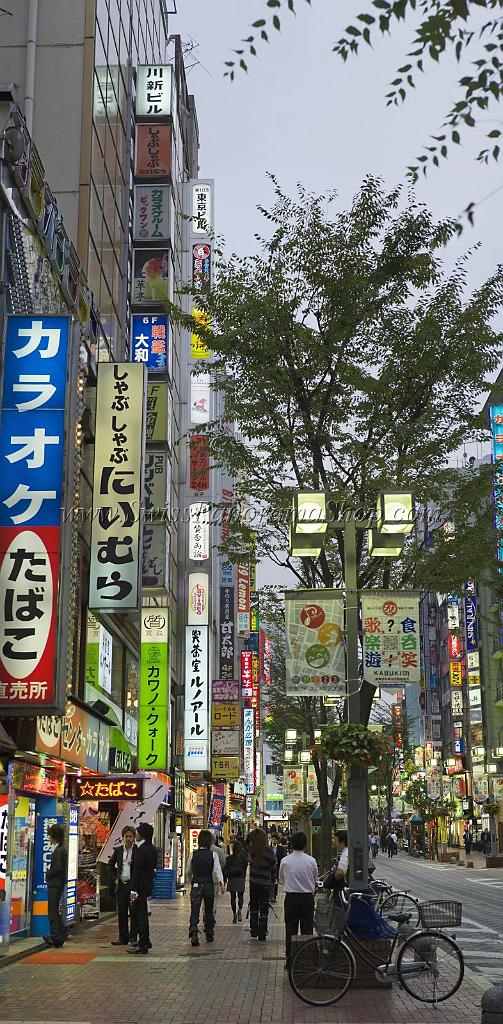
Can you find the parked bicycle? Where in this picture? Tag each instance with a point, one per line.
(429, 964)
(394, 901)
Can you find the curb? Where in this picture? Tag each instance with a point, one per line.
(14, 955)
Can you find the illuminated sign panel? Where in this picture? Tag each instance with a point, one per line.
(110, 788)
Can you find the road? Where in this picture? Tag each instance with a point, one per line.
(479, 890)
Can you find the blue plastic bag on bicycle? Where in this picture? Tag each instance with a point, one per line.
(366, 923)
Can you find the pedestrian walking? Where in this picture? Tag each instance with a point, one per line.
(375, 844)
(203, 867)
(262, 876)
(120, 869)
(143, 865)
(467, 841)
(298, 874)
(217, 847)
(235, 869)
(485, 839)
(56, 880)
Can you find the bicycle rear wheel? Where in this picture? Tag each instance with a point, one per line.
(321, 970)
(401, 903)
(442, 971)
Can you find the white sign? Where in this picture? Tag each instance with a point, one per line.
(151, 213)
(198, 599)
(196, 730)
(134, 812)
(117, 490)
(452, 616)
(199, 531)
(457, 701)
(249, 749)
(153, 90)
(390, 637)
(226, 742)
(200, 398)
(473, 659)
(201, 208)
(315, 659)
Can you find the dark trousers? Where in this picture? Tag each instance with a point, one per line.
(57, 928)
(259, 909)
(299, 910)
(199, 892)
(240, 900)
(125, 932)
(139, 921)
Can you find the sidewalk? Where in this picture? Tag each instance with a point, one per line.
(234, 981)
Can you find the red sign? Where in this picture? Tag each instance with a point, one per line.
(246, 674)
(199, 463)
(29, 563)
(153, 151)
(454, 641)
(111, 788)
(31, 778)
(4, 824)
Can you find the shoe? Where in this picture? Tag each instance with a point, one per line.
(240, 918)
(261, 938)
(194, 939)
(149, 945)
(47, 939)
(235, 919)
(132, 945)
(252, 936)
(210, 937)
(138, 950)
(119, 942)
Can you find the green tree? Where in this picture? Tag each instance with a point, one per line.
(388, 774)
(456, 27)
(350, 361)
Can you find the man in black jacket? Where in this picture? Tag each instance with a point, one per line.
(120, 865)
(56, 878)
(142, 880)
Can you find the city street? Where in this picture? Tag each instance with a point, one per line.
(235, 980)
(479, 890)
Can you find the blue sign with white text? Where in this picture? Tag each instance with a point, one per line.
(32, 435)
(149, 341)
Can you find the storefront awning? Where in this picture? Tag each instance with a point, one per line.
(7, 746)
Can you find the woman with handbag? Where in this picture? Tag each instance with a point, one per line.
(235, 875)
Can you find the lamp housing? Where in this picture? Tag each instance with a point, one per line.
(309, 514)
(385, 545)
(395, 512)
(305, 756)
(290, 735)
(304, 546)
(289, 755)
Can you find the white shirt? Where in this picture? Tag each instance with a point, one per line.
(342, 864)
(126, 865)
(298, 872)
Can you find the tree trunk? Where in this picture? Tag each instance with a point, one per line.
(327, 801)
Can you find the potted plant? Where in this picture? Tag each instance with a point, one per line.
(490, 807)
(302, 809)
(352, 743)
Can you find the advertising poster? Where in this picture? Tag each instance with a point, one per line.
(150, 276)
(315, 661)
(199, 398)
(390, 637)
(198, 347)
(201, 267)
(293, 787)
(216, 811)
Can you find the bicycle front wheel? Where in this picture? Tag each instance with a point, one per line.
(321, 970)
(430, 966)
(401, 903)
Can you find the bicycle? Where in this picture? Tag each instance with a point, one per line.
(323, 968)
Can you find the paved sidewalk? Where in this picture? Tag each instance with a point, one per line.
(234, 981)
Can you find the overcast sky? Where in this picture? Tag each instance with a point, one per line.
(304, 115)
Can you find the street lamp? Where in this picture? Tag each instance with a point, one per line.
(289, 755)
(309, 526)
(305, 756)
(290, 735)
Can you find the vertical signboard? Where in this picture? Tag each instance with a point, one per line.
(391, 637)
(243, 623)
(36, 389)
(471, 623)
(199, 531)
(98, 655)
(153, 90)
(153, 710)
(73, 865)
(151, 213)
(200, 398)
(249, 749)
(198, 599)
(226, 642)
(199, 463)
(149, 341)
(153, 152)
(202, 212)
(496, 421)
(196, 754)
(315, 657)
(116, 529)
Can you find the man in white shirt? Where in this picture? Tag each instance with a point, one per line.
(341, 845)
(298, 874)
(120, 866)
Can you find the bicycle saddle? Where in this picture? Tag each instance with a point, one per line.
(399, 918)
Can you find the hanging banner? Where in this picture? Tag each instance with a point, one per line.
(216, 811)
(471, 623)
(117, 491)
(315, 662)
(153, 709)
(390, 637)
(36, 385)
(226, 629)
(196, 699)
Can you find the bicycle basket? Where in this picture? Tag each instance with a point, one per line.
(329, 917)
(440, 913)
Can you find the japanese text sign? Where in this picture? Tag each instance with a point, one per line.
(32, 452)
(4, 826)
(153, 712)
(153, 90)
(196, 698)
(471, 623)
(249, 749)
(456, 673)
(153, 152)
(112, 788)
(226, 742)
(149, 341)
(225, 767)
(199, 531)
(199, 459)
(496, 419)
(246, 674)
(201, 267)
(243, 575)
(152, 213)
(198, 347)
(454, 643)
(115, 536)
(77, 737)
(315, 661)
(225, 691)
(216, 812)
(201, 208)
(226, 640)
(200, 398)
(224, 716)
(390, 637)
(157, 411)
(198, 599)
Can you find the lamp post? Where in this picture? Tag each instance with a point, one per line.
(309, 526)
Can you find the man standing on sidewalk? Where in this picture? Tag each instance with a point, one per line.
(298, 873)
(120, 866)
(142, 880)
(56, 876)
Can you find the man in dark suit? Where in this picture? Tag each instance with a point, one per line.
(56, 878)
(142, 881)
(120, 865)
